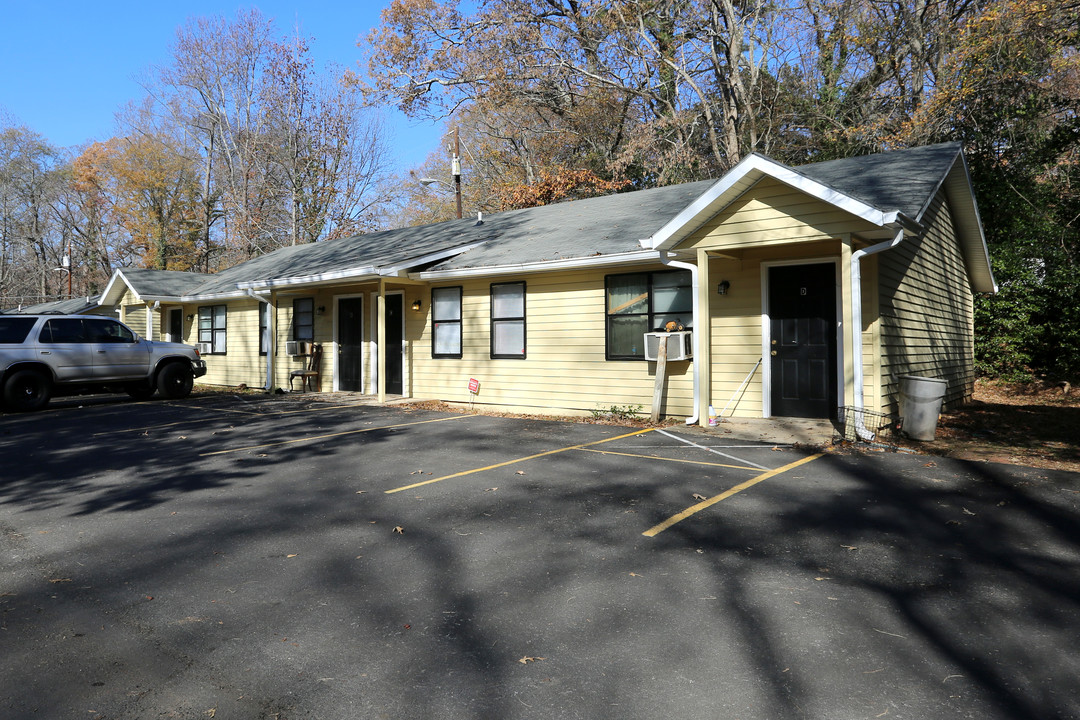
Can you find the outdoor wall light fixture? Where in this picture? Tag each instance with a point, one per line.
(416, 305)
(190, 317)
(723, 287)
(321, 310)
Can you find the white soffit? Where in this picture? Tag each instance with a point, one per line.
(965, 212)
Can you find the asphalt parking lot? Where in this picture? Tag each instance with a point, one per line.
(250, 557)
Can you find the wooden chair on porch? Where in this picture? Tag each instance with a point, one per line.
(310, 374)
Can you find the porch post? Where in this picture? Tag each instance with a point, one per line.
(271, 339)
(847, 345)
(704, 344)
(380, 328)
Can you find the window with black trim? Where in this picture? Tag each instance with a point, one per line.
(508, 320)
(212, 327)
(638, 303)
(303, 319)
(446, 322)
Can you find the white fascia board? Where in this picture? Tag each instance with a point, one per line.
(961, 193)
(751, 169)
(403, 268)
(118, 277)
(594, 261)
(367, 271)
(212, 296)
(161, 298)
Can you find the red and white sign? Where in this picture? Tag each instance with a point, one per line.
(474, 385)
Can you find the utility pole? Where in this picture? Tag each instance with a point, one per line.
(455, 170)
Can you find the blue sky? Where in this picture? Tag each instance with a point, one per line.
(67, 67)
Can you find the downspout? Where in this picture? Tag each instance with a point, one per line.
(667, 260)
(150, 310)
(271, 346)
(856, 323)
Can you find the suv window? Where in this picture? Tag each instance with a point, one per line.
(13, 330)
(108, 331)
(62, 330)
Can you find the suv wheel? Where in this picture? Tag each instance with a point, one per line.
(175, 381)
(27, 390)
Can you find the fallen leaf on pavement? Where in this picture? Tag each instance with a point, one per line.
(526, 660)
(696, 496)
(399, 530)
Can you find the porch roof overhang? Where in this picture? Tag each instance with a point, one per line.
(364, 273)
(595, 261)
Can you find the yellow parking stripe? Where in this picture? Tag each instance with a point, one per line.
(512, 462)
(311, 438)
(674, 460)
(657, 529)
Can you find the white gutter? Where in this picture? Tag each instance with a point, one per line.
(367, 272)
(270, 346)
(698, 324)
(629, 258)
(856, 325)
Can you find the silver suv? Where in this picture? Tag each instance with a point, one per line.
(40, 354)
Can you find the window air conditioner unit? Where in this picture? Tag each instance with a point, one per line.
(204, 348)
(680, 345)
(294, 347)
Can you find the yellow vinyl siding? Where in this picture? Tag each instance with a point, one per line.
(772, 213)
(871, 337)
(241, 363)
(322, 333)
(736, 342)
(926, 311)
(736, 337)
(133, 312)
(564, 370)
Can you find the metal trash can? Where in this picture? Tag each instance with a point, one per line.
(920, 405)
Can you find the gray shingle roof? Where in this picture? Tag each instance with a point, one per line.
(164, 283)
(583, 228)
(71, 306)
(904, 180)
(389, 248)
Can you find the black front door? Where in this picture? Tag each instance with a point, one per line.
(350, 344)
(802, 327)
(394, 337)
(176, 325)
